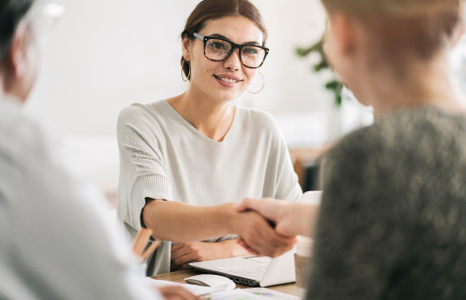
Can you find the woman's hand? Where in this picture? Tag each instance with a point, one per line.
(173, 292)
(258, 233)
(290, 219)
(184, 253)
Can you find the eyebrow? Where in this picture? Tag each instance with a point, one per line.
(216, 35)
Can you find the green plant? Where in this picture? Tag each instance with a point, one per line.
(334, 85)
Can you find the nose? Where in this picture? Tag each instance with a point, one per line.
(233, 62)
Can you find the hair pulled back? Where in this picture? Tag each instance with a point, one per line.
(215, 9)
(420, 27)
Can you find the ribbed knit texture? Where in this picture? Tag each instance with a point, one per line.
(148, 186)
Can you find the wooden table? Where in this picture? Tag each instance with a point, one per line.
(179, 277)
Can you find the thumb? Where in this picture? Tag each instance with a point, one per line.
(244, 205)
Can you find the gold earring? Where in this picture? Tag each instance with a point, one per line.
(189, 74)
(263, 84)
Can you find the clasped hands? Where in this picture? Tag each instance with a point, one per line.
(288, 221)
(264, 227)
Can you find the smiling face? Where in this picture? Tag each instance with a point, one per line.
(222, 80)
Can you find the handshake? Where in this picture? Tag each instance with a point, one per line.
(269, 227)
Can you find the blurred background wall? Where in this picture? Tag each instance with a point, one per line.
(105, 55)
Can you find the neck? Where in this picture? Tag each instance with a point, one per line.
(211, 117)
(423, 84)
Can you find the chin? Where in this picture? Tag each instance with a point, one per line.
(228, 95)
(226, 98)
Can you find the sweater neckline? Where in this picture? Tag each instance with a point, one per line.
(197, 132)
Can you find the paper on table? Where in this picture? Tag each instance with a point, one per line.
(195, 289)
(271, 294)
(236, 294)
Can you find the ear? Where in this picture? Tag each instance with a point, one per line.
(345, 34)
(17, 55)
(186, 48)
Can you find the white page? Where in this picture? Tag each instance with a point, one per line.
(271, 294)
(195, 289)
(236, 294)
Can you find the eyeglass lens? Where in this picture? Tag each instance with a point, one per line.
(251, 56)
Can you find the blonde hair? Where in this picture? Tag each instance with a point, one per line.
(420, 27)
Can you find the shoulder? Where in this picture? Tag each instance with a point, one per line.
(23, 136)
(138, 111)
(354, 149)
(143, 117)
(258, 119)
(34, 150)
(395, 140)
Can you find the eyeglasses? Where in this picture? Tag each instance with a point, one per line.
(218, 49)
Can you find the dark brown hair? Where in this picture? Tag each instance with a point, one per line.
(216, 9)
(11, 13)
(399, 27)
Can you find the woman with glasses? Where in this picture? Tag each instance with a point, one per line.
(187, 159)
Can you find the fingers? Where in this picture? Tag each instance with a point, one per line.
(179, 250)
(178, 246)
(269, 208)
(276, 245)
(177, 293)
(185, 266)
(246, 204)
(185, 259)
(283, 246)
(260, 238)
(241, 206)
(183, 254)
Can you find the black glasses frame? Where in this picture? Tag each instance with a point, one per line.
(233, 47)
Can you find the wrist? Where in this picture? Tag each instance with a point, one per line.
(228, 214)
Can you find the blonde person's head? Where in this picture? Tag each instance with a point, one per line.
(403, 28)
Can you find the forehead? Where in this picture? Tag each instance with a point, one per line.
(237, 29)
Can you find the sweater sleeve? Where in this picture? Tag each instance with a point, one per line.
(361, 237)
(142, 170)
(287, 185)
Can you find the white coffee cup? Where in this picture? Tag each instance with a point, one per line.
(311, 198)
(303, 266)
(304, 247)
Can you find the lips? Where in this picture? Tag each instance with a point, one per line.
(227, 80)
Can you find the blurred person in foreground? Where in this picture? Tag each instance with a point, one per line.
(55, 243)
(392, 219)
